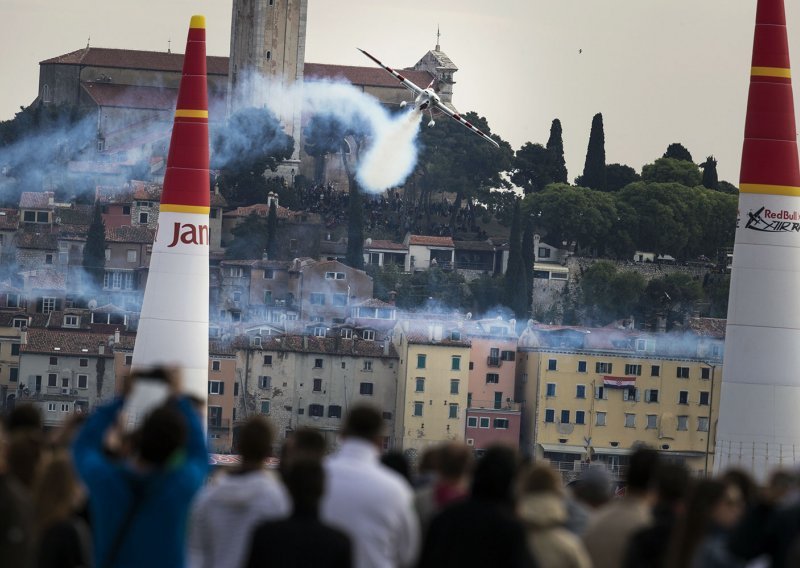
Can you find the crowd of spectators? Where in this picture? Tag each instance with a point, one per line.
(94, 494)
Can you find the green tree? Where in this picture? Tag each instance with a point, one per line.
(249, 239)
(515, 284)
(710, 178)
(528, 256)
(716, 289)
(355, 227)
(594, 170)
(532, 168)
(94, 253)
(608, 294)
(487, 292)
(619, 175)
(323, 137)
(671, 170)
(727, 187)
(555, 145)
(272, 231)
(678, 151)
(673, 296)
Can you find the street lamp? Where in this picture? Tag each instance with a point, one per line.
(710, 413)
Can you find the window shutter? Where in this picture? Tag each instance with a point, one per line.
(638, 394)
(647, 395)
(596, 392)
(221, 387)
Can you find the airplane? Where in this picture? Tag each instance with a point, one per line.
(427, 99)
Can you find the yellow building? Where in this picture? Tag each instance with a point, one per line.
(595, 394)
(433, 381)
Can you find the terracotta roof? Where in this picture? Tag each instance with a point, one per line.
(9, 219)
(369, 76)
(135, 59)
(221, 348)
(66, 343)
(127, 234)
(144, 191)
(375, 303)
(35, 199)
(131, 96)
(708, 327)
(384, 245)
(7, 317)
(426, 240)
(322, 345)
(424, 339)
(74, 215)
(218, 200)
(113, 194)
(40, 241)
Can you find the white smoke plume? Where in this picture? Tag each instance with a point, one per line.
(393, 154)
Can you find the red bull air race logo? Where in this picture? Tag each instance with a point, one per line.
(769, 221)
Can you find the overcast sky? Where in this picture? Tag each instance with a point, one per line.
(660, 71)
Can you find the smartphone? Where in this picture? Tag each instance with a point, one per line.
(148, 392)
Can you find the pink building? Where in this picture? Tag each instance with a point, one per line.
(493, 416)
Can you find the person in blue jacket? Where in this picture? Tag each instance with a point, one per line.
(139, 501)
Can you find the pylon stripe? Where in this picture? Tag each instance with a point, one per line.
(187, 113)
(784, 73)
(172, 208)
(770, 189)
(198, 22)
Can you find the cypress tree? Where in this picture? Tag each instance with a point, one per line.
(710, 178)
(272, 231)
(355, 228)
(678, 151)
(594, 170)
(94, 252)
(528, 257)
(515, 285)
(555, 145)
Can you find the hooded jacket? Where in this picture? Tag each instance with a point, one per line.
(544, 516)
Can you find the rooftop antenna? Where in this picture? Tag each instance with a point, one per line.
(88, 41)
(438, 34)
(169, 45)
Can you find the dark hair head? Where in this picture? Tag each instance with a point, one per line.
(429, 462)
(454, 461)
(744, 482)
(542, 479)
(696, 524)
(643, 465)
(672, 482)
(304, 443)
(305, 480)
(255, 440)
(161, 435)
(24, 417)
(396, 461)
(24, 454)
(494, 475)
(364, 422)
(593, 487)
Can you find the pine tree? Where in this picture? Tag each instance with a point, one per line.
(355, 228)
(594, 170)
(272, 231)
(515, 285)
(555, 145)
(710, 178)
(528, 257)
(678, 151)
(94, 253)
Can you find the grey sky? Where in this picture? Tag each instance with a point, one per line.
(660, 71)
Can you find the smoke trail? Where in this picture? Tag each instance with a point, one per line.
(393, 154)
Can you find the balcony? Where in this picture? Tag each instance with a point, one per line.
(219, 423)
(506, 406)
(494, 361)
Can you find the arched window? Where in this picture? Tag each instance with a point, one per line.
(269, 55)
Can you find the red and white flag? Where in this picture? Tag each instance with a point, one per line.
(619, 382)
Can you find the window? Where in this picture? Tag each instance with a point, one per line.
(317, 299)
(346, 333)
(83, 381)
(421, 361)
(565, 416)
(12, 300)
(48, 305)
(484, 422)
(493, 378)
(655, 370)
(13, 374)
(682, 372)
(335, 276)
(580, 417)
(683, 423)
(631, 394)
(630, 420)
(600, 419)
(51, 407)
(71, 321)
(365, 389)
(64, 382)
(652, 422)
(651, 395)
(508, 355)
(367, 365)
(633, 370)
(317, 385)
(128, 360)
(549, 415)
(552, 364)
(237, 296)
(472, 422)
(580, 391)
(131, 255)
(317, 363)
(501, 423)
(703, 398)
(551, 389)
(603, 368)
(320, 331)
(48, 259)
(235, 389)
(418, 406)
(216, 387)
(269, 274)
(702, 424)
(29, 216)
(268, 359)
(454, 384)
(265, 382)
(215, 365)
(419, 385)
(386, 415)
(600, 393)
(42, 217)
(316, 410)
(334, 411)
(143, 218)
(340, 300)
(544, 252)
(265, 404)
(83, 362)
(19, 323)
(53, 361)
(645, 345)
(581, 366)
(683, 397)
(455, 363)
(15, 348)
(453, 410)
(368, 335)
(705, 373)
(126, 209)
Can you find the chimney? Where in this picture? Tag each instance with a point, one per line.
(116, 336)
(23, 336)
(101, 349)
(392, 297)
(430, 332)
(385, 346)
(264, 256)
(305, 342)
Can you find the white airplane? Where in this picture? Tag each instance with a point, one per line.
(427, 99)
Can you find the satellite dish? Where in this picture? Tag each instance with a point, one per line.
(92, 304)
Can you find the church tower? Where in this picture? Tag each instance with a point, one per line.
(440, 66)
(268, 40)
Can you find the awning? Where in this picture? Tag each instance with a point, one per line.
(611, 451)
(562, 448)
(619, 382)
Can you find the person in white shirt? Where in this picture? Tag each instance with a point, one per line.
(225, 514)
(372, 504)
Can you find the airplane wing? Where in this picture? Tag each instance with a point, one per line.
(457, 117)
(405, 82)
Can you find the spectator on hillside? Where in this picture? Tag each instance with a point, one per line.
(366, 500)
(301, 540)
(453, 466)
(139, 502)
(225, 514)
(481, 530)
(610, 530)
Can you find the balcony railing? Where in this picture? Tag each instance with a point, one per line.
(573, 469)
(219, 423)
(494, 405)
(494, 361)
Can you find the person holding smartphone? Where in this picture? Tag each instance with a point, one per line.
(142, 473)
